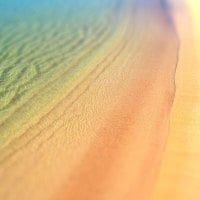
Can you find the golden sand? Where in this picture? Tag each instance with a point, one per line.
(179, 178)
(101, 122)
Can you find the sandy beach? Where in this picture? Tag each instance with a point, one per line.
(108, 111)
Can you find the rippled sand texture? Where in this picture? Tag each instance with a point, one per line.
(86, 93)
(45, 48)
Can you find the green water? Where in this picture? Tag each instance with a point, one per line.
(43, 45)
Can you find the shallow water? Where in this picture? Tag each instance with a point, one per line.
(43, 41)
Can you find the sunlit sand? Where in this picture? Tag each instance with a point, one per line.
(99, 100)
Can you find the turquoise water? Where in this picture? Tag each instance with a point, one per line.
(40, 37)
(44, 47)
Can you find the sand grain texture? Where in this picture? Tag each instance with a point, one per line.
(87, 107)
